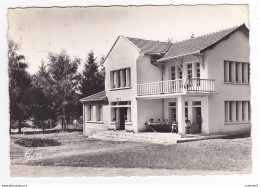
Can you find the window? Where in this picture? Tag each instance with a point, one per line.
(198, 70)
(230, 72)
(189, 71)
(98, 113)
(172, 104)
(90, 113)
(197, 103)
(186, 110)
(173, 73)
(173, 111)
(236, 66)
(120, 78)
(237, 111)
(174, 115)
(180, 71)
(236, 72)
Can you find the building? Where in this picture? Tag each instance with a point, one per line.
(204, 78)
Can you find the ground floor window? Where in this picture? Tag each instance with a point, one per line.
(173, 111)
(94, 112)
(237, 111)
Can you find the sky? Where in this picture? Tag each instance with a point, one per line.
(79, 30)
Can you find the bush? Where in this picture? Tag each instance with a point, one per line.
(37, 142)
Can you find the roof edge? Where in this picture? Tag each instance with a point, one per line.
(82, 100)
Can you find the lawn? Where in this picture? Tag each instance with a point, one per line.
(78, 151)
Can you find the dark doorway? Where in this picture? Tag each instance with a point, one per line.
(123, 117)
(197, 119)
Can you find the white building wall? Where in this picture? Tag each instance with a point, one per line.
(236, 48)
(123, 55)
(149, 109)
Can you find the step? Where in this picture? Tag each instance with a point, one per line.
(139, 137)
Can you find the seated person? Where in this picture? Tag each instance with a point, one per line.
(151, 120)
(174, 127)
(188, 125)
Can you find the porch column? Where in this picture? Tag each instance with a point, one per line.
(181, 115)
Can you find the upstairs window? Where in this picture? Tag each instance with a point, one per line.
(173, 73)
(198, 70)
(189, 71)
(120, 78)
(236, 72)
(180, 71)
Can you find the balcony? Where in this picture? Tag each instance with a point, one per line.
(180, 86)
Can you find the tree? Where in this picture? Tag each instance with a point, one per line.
(40, 98)
(19, 84)
(92, 81)
(62, 83)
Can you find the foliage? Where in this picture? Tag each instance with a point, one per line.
(59, 81)
(19, 86)
(92, 80)
(41, 103)
(37, 142)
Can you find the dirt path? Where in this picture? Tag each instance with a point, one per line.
(55, 171)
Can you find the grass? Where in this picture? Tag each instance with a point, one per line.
(77, 151)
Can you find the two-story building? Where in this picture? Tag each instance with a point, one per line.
(205, 77)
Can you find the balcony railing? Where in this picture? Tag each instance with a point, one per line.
(177, 86)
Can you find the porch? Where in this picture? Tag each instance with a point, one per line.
(178, 86)
(187, 114)
(156, 138)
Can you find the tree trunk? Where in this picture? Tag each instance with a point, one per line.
(19, 126)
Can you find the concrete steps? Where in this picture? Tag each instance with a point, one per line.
(157, 138)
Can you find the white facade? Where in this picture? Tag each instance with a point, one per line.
(138, 90)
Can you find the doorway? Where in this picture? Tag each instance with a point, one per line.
(196, 119)
(123, 117)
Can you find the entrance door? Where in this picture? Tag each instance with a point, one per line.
(123, 117)
(196, 119)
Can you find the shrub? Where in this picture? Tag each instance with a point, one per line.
(37, 142)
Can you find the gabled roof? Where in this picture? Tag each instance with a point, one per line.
(150, 47)
(199, 44)
(100, 96)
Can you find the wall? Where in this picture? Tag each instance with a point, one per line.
(146, 72)
(236, 48)
(148, 109)
(123, 55)
(92, 127)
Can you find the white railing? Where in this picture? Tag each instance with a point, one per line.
(176, 86)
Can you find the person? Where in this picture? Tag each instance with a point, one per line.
(188, 125)
(159, 121)
(174, 127)
(187, 120)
